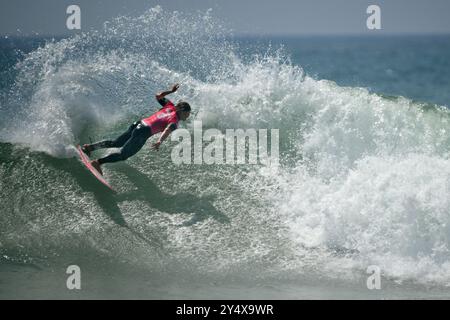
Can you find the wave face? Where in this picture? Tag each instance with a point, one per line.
(363, 179)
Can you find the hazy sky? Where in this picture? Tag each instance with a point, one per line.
(265, 17)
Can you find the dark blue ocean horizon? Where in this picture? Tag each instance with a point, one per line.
(413, 66)
(363, 175)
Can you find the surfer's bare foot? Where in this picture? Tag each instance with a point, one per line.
(97, 166)
(86, 149)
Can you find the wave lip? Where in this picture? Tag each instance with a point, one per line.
(360, 173)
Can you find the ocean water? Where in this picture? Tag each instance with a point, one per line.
(363, 180)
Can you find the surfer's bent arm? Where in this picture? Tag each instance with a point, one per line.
(160, 96)
(171, 127)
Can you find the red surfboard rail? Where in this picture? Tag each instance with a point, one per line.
(87, 162)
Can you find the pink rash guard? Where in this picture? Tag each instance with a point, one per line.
(161, 119)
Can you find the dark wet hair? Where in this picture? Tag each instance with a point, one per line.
(183, 106)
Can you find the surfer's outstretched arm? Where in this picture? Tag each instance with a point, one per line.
(161, 95)
(171, 127)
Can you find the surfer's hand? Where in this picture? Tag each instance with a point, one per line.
(175, 87)
(156, 145)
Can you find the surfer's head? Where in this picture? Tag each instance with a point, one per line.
(183, 110)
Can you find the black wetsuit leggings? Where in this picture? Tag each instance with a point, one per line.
(130, 142)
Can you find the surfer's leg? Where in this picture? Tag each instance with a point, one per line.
(119, 142)
(122, 139)
(137, 140)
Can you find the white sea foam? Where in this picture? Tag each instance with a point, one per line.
(361, 174)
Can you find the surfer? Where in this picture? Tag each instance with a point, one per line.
(130, 142)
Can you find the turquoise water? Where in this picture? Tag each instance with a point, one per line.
(363, 179)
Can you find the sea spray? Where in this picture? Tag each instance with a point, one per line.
(363, 179)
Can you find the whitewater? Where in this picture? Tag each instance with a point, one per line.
(363, 178)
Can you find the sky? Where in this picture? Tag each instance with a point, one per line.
(244, 17)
